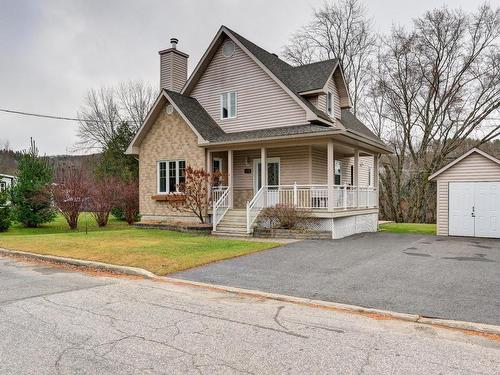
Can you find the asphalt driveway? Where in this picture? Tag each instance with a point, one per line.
(445, 277)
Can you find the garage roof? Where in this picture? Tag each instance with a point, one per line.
(457, 160)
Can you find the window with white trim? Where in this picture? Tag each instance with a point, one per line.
(329, 102)
(3, 186)
(228, 105)
(170, 173)
(338, 172)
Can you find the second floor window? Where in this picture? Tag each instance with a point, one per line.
(329, 102)
(228, 105)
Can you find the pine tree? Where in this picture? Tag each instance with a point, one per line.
(31, 197)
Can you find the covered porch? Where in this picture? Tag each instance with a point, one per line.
(325, 177)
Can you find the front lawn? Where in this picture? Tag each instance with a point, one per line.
(414, 228)
(161, 252)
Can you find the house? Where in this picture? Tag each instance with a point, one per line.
(468, 196)
(281, 135)
(6, 181)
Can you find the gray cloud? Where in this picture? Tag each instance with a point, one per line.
(52, 52)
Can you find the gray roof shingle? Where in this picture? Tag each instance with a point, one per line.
(197, 115)
(351, 122)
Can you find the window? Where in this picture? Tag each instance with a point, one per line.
(228, 48)
(228, 105)
(329, 102)
(170, 175)
(338, 172)
(370, 182)
(3, 185)
(352, 175)
(217, 167)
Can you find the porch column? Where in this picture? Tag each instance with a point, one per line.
(263, 172)
(230, 176)
(209, 170)
(330, 174)
(376, 162)
(356, 174)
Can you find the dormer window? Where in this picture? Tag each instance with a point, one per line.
(329, 103)
(228, 105)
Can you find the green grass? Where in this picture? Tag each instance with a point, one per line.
(161, 252)
(409, 228)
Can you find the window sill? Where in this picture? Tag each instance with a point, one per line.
(177, 197)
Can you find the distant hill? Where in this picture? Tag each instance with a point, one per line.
(8, 161)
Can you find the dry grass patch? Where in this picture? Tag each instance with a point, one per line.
(161, 252)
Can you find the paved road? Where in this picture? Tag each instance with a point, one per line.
(55, 321)
(453, 278)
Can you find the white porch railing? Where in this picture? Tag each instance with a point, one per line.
(254, 207)
(220, 206)
(217, 192)
(316, 196)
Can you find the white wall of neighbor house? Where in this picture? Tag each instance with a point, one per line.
(261, 102)
(5, 182)
(475, 167)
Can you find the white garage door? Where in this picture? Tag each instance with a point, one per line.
(474, 209)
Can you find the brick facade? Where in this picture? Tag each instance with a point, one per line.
(170, 138)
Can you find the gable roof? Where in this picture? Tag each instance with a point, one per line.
(294, 80)
(353, 124)
(197, 118)
(459, 159)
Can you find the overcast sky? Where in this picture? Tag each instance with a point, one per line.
(52, 52)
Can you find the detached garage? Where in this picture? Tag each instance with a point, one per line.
(468, 196)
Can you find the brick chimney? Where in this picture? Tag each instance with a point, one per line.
(173, 67)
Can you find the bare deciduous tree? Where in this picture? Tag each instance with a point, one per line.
(436, 85)
(195, 192)
(107, 108)
(70, 192)
(103, 197)
(338, 30)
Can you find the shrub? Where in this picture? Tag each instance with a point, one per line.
(128, 200)
(103, 197)
(5, 211)
(71, 193)
(284, 217)
(117, 212)
(31, 195)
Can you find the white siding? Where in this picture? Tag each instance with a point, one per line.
(262, 103)
(475, 167)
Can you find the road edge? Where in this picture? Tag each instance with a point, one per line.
(481, 328)
(132, 271)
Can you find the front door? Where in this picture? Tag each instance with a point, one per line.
(273, 174)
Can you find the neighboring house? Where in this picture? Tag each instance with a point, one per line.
(6, 181)
(281, 134)
(468, 196)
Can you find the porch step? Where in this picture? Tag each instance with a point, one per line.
(231, 234)
(234, 223)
